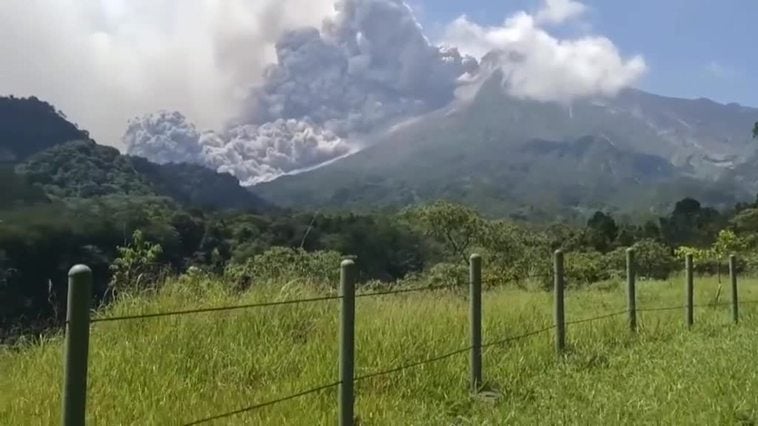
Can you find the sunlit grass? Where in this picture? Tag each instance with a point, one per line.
(166, 371)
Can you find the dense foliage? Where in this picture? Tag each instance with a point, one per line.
(28, 126)
(132, 241)
(84, 169)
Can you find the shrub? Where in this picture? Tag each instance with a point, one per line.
(137, 265)
(582, 268)
(288, 264)
(653, 259)
(448, 274)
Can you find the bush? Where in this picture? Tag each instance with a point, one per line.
(582, 268)
(653, 259)
(287, 264)
(137, 265)
(448, 274)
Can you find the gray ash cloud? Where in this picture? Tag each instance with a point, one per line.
(369, 65)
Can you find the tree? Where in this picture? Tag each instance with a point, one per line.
(601, 231)
(698, 255)
(690, 224)
(727, 243)
(458, 227)
(755, 130)
(654, 260)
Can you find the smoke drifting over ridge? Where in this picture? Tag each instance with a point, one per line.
(339, 71)
(368, 65)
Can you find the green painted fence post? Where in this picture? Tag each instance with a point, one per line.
(475, 286)
(690, 308)
(733, 280)
(76, 347)
(560, 320)
(631, 288)
(347, 343)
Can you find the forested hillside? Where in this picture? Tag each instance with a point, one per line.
(29, 125)
(135, 222)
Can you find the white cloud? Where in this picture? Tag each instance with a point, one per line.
(720, 71)
(537, 65)
(105, 61)
(559, 11)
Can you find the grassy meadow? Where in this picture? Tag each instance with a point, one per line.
(174, 370)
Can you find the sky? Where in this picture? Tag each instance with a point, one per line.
(106, 62)
(693, 48)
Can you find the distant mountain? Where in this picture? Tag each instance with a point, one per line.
(83, 169)
(46, 157)
(636, 152)
(29, 125)
(194, 185)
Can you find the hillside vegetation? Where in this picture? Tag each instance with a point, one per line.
(170, 371)
(637, 153)
(29, 125)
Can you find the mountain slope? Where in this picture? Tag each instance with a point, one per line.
(197, 186)
(83, 169)
(28, 126)
(42, 154)
(510, 156)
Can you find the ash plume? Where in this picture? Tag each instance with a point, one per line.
(285, 85)
(368, 65)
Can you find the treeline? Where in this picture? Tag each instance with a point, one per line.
(39, 242)
(135, 240)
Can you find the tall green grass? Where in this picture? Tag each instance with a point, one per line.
(167, 371)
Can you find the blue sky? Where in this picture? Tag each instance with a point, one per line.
(693, 48)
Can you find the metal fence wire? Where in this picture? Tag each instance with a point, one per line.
(78, 321)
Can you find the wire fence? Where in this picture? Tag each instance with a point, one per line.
(445, 356)
(348, 296)
(267, 304)
(215, 309)
(264, 404)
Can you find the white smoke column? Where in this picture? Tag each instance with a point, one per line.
(105, 61)
(537, 65)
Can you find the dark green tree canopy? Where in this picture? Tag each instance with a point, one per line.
(29, 125)
(602, 231)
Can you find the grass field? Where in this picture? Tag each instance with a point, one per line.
(167, 371)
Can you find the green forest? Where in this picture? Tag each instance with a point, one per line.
(67, 200)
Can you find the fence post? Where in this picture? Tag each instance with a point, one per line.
(631, 276)
(76, 347)
(560, 321)
(733, 280)
(689, 314)
(347, 343)
(475, 286)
